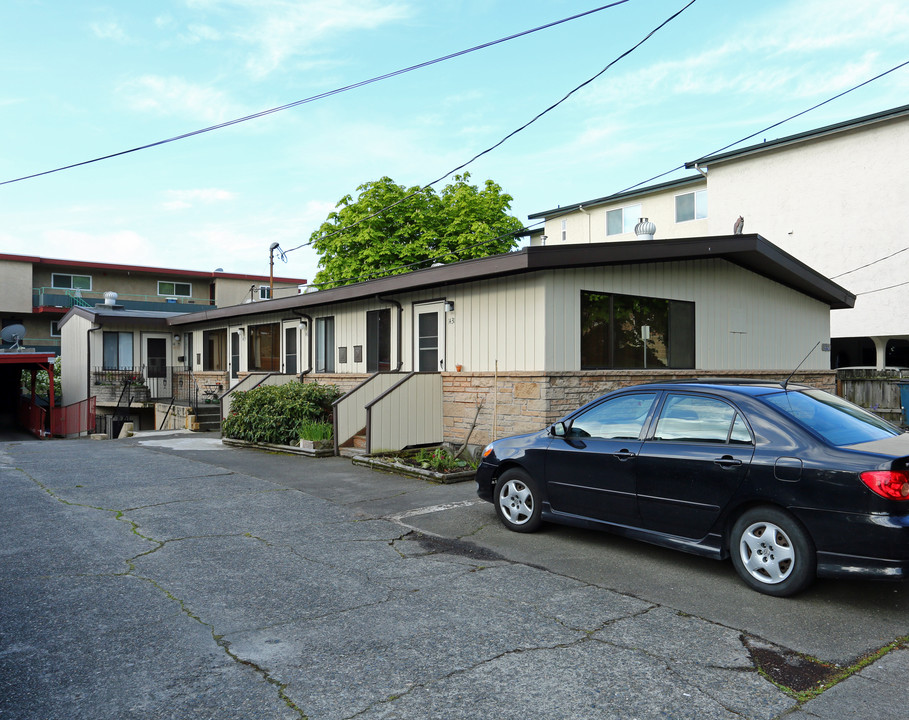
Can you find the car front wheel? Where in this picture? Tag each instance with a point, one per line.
(517, 501)
(772, 552)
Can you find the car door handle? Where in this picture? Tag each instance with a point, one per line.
(624, 454)
(727, 461)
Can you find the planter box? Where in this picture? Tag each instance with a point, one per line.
(380, 463)
(289, 449)
(318, 445)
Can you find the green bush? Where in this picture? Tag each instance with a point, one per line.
(274, 413)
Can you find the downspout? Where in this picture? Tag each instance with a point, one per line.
(584, 212)
(400, 328)
(309, 329)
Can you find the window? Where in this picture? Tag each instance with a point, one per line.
(175, 289)
(117, 350)
(325, 345)
(378, 340)
(564, 231)
(264, 292)
(691, 206)
(622, 331)
(263, 347)
(214, 350)
(54, 329)
(71, 282)
(623, 219)
(620, 418)
(691, 418)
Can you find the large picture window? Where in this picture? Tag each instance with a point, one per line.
(264, 347)
(325, 345)
(623, 331)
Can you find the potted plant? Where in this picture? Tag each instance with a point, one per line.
(315, 435)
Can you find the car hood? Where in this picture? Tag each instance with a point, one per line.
(896, 446)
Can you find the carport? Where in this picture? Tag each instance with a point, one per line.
(25, 412)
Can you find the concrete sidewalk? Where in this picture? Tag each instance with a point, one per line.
(174, 581)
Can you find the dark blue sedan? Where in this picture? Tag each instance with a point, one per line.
(788, 481)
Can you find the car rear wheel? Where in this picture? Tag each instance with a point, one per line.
(517, 501)
(772, 552)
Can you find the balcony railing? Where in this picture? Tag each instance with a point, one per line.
(45, 297)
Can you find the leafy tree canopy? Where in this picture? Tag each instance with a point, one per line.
(460, 223)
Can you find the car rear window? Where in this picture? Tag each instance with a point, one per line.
(836, 420)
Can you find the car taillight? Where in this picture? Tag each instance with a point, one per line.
(891, 484)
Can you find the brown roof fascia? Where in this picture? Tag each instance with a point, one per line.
(751, 252)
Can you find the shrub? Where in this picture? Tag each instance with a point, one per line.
(273, 413)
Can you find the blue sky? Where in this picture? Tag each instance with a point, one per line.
(85, 79)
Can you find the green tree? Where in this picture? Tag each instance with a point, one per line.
(460, 223)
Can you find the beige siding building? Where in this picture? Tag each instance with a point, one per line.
(833, 198)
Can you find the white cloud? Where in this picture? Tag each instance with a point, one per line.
(176, 96)
(110, 30)
(283, 29)
(182, 199)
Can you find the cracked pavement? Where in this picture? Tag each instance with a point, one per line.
(138, 583)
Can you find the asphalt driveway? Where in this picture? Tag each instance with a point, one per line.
(171, 577)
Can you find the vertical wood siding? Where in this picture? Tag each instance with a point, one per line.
(411, 414)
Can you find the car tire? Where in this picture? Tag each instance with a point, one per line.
(772, 552)
(517, 501)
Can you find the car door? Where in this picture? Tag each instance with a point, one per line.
(590, 471)
(692, 463)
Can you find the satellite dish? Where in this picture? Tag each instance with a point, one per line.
(13, 334)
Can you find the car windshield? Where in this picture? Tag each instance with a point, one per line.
(837, 421)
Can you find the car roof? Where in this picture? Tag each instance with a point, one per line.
(740, 386)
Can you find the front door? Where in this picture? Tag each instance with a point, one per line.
(156, 366)
(429, 337)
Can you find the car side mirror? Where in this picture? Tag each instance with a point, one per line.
(560, 429)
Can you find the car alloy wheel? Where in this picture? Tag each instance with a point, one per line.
(517, 501)
(772, 552)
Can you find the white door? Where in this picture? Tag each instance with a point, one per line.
(429, 337)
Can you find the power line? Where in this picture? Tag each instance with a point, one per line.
(320, 96)
(770, 127)
(866, 265)
(504, 139)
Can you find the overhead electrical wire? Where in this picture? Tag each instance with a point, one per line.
(510, 135)
(320, 96)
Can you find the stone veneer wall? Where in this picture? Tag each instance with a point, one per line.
(345, 381)
(520, 402)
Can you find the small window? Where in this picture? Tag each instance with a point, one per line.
(264, 292)
(696, 419)
(71, 282)
(740, 433)
(54, 329)
(620, 418)
(564, 231)
(174, 289)
(623, 220)
(691, 206)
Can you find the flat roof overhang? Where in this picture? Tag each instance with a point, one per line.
(751, 252)
(26, 359)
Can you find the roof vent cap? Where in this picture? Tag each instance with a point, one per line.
(645, 229)
(110, 298)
